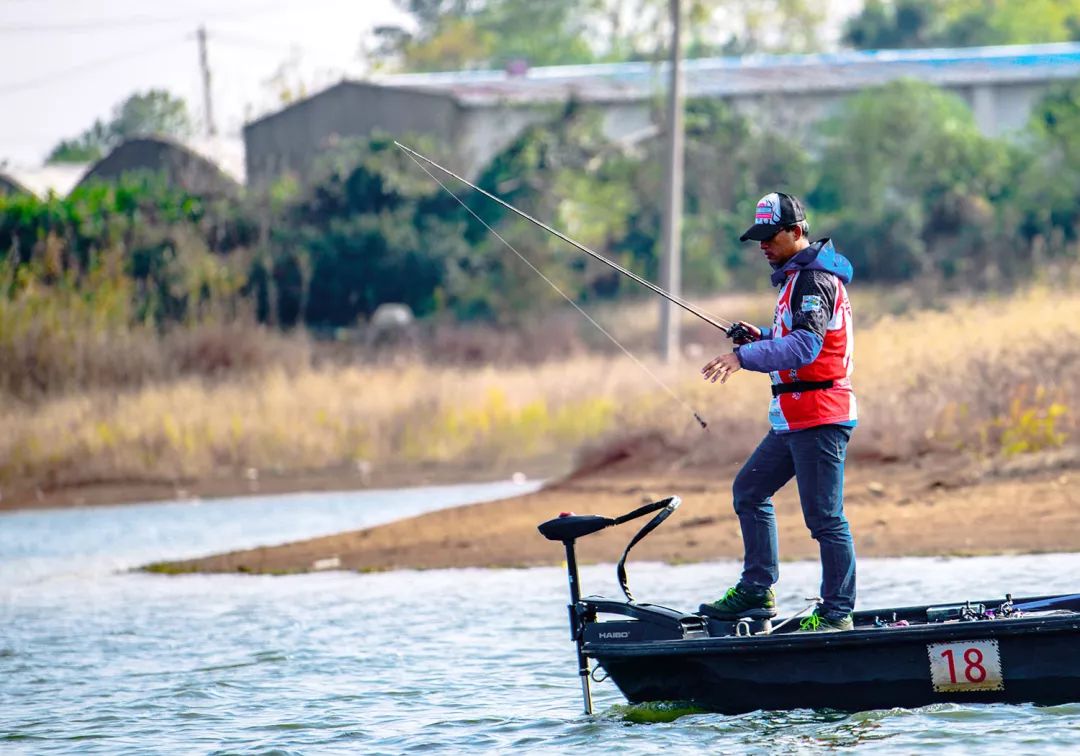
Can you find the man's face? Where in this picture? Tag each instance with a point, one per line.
(782, 247)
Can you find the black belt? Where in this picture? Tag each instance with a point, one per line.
(796, 387)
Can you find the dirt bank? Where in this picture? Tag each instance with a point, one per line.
(926, 507)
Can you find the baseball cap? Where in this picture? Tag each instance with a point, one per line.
(775, 212)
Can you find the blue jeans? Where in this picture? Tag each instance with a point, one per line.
(815, 457)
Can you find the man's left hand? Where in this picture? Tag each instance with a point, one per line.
(723, 367)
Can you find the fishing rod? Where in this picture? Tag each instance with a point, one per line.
(734, 331)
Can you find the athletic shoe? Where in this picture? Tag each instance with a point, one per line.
(820, 623)
(741, 602)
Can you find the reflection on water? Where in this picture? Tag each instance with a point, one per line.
(106, 539)
(654, 711)
(829, 729)
(97, 659)
(783, 731)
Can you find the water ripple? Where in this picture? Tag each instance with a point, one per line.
(451, 661)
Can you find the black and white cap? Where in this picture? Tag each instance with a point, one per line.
(774, 213)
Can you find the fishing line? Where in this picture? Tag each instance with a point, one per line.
(563, 294)
(714, 320)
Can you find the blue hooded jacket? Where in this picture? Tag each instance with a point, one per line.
(803, 344)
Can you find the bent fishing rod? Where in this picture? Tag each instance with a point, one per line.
(730, 329)
(735, 331)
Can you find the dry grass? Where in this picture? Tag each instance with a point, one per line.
(994, 376)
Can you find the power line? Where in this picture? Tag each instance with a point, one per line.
(89, 25)
(240, 40)
(82, 67)
(278, 48)
(135, 21)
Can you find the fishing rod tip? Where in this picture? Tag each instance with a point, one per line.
(704, 425)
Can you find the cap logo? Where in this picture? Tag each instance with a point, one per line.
(768, 209)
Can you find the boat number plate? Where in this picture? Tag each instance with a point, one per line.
(967, 665)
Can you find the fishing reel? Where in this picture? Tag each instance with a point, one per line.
(740, 334)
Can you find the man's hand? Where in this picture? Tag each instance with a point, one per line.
(723, 367)
(750, 328)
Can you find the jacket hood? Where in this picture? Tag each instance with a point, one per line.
(821, 255)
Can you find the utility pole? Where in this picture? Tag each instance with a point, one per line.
(208, 103)
(671, 227)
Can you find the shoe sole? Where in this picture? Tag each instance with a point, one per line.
(715, 613)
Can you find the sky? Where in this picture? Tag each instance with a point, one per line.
(70, 62)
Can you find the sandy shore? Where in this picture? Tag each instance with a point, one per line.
(927, 507)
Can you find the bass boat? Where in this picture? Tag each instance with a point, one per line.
(1005, 650)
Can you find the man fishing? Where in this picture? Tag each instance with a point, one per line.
(808, 353)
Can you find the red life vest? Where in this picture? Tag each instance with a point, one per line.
(835, 405)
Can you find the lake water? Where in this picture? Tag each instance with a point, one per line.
(97, 659)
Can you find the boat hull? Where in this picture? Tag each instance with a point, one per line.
(1005, 661)
(997, 651)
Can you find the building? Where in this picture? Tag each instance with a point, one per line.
(42, 181)
(478, 113)
(180, 164)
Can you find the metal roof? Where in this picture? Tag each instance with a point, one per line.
(751, 74)
(58, 178)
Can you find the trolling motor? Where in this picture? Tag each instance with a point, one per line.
(568, 527)
(630, 621)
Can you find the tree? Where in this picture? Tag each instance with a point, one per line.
(960, 23)
(371, 229)
(287, 81)
(890, 24)
(910, 180)
(540, 34)
(1006, 22)
(155, 113)
(1056, 119)
(456, 34)
(85, 148)
(730, 163)
(566, 172)
(456, 43)
(1045, 189)
(639, 30)
(773, 26)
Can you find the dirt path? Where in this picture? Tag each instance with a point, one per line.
(895, 509)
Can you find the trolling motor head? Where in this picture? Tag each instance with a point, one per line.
(568, 527)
